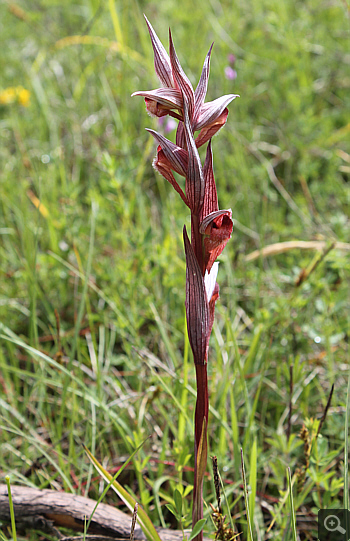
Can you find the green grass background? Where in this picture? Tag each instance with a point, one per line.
(104, 253)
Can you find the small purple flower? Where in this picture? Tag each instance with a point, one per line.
(230, 73)
(170, 125)
(231, 59)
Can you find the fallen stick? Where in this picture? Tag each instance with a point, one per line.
(281, 247)
(48, 510)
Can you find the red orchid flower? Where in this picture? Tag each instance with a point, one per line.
(216, 229)
(206, 117)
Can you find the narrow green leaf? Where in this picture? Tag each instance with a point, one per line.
(235, 432)
(116, 24)
(142, 517)
(346, 448)
(164, 334)
(253, 350)
(291, 502)
(12, 511)
(113, 478)
(252, 479)
(3, 536)
(94, 209)
(245, 489)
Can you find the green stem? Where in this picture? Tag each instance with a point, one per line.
(12, 512)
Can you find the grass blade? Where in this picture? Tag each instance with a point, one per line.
(245, 490)
(252, 479)
(142, 517)
(292, 512)
(113, 479)
(346, 448)
(12, 512)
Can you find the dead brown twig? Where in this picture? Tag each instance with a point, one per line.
(282, 247)
(48, 510)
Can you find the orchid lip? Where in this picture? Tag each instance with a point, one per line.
(210, 217)
(210, 280)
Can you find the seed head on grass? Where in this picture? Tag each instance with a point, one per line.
(224, 532)
(211, 228)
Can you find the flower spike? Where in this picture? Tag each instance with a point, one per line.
(211, 228)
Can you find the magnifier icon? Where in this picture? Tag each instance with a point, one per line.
(332, 524)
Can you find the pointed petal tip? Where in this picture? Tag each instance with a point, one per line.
(161, 58)
(150, 28)
(147, 21)
(171, 43)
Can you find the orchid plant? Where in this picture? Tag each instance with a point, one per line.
(211, 228)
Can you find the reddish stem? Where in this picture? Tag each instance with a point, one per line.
(202, 403)
(201, 413)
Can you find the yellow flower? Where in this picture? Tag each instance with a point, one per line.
(14, 94)
(8, 96)
(23, 96)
